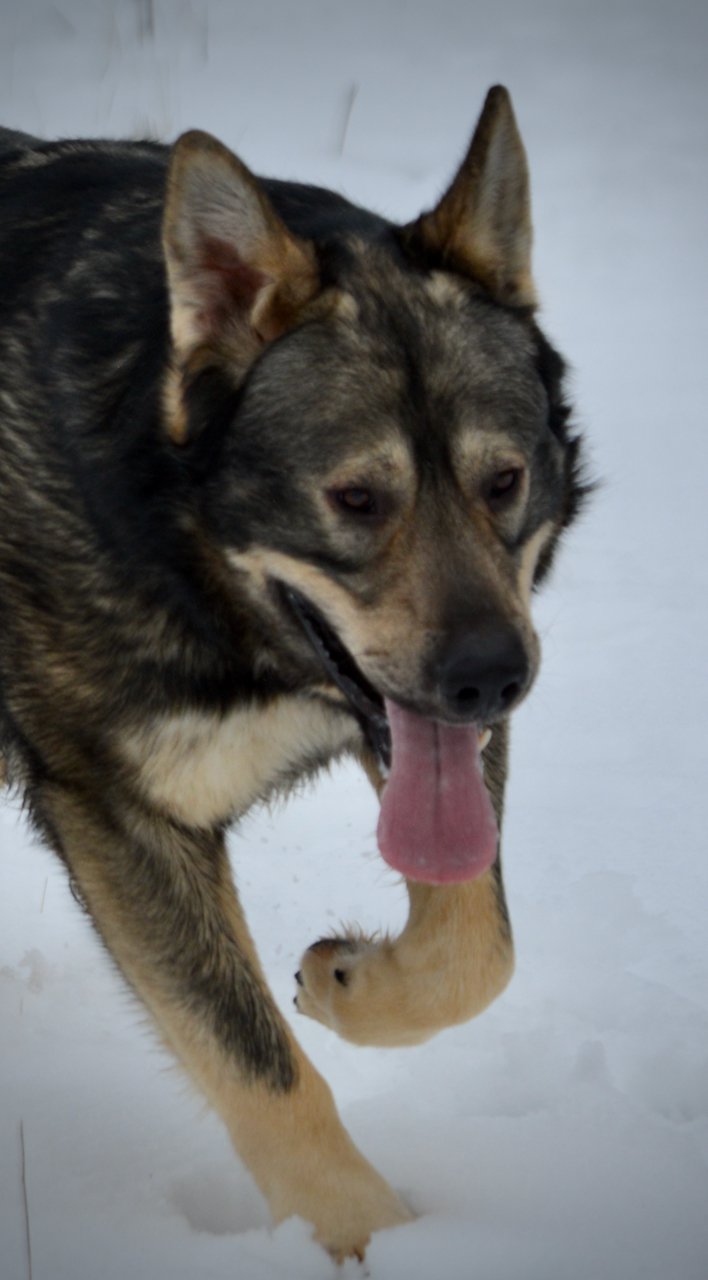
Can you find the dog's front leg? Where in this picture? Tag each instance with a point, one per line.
(164, 902)
(454, 956)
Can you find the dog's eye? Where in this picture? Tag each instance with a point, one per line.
(504, 486)
(358, 502)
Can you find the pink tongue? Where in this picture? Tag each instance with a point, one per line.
(437, 823)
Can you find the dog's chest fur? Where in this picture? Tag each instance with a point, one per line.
(204, 768)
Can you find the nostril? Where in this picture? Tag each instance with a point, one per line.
(510, 692)
(468, 696)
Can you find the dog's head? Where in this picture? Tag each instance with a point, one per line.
(389, 465)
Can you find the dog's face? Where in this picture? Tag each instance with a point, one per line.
(393, 466)
(393, 463)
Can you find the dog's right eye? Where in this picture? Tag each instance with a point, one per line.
(356, 501)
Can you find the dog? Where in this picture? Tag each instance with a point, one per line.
(278, 479)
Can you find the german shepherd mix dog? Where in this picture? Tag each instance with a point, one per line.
(277, 480)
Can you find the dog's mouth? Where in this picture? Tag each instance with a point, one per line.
(437, 822)
(366, 704)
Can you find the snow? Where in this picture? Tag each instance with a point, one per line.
(566, 1131)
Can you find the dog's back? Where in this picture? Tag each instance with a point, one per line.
(13, 140)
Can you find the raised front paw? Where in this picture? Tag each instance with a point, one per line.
(356, 986)
(452, 959)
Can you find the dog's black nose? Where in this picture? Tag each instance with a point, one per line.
(484, 672)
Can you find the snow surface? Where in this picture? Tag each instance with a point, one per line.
(565, 1133)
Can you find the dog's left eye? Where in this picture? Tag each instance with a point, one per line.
(358, 502)
(504, 486)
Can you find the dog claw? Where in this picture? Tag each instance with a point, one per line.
(299, 979)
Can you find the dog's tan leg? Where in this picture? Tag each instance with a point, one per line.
(164, 902)
(454, 956)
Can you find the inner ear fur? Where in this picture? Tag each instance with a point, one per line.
(482, 224)
(237, 278)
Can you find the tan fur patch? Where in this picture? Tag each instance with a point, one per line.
(389, 464)
(530, 557)
(442, 288)
(336, 603)
(346, 306)
(204, 768)
(476, 449)
(175, 414)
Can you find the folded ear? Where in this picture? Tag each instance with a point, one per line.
(237, 278)
(482, 225)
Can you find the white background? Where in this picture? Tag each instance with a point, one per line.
(564, 1134)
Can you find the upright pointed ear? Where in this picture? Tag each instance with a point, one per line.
(237, 278)
(482, 225)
